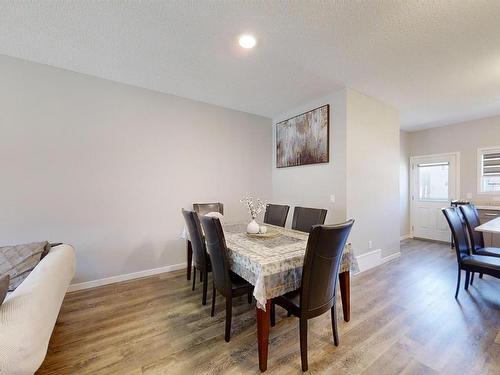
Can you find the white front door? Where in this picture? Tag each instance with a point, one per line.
(434, 183)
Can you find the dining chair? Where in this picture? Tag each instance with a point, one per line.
(466, 262)
(276, 214)
(317, 293)
(304, 218)
(225, 281)
(201, 258)
(201, 209)
(205, 208)
(471, 218)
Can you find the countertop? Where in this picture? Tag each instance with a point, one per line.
(493, 208)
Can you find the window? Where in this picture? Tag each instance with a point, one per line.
(433, 181)
(489, 170)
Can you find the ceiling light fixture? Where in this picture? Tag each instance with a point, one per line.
(247, 41)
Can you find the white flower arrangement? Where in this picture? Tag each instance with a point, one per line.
(255, 205)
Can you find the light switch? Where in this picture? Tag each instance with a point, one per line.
(332, 198)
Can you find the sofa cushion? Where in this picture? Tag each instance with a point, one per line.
(4, 287)
(19, 260)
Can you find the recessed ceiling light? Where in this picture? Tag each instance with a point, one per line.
(247, 41)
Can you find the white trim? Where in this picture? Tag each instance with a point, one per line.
(412, 181)
(405, 237)
(125, 277)
(479, 169)
(374, 259)
(435, 155)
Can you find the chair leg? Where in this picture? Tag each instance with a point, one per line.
(467, 278)
(472, 278)
(214, 291)
(303, 343)
(194, 277)
(458, 282)
(205, 287)
(273, 314)
(229, 312)
(334, 325)
(481, 275)
(201, 276)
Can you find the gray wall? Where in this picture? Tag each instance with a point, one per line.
(107, 167)
(465, 138)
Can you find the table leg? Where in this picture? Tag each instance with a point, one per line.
(263, 335)
(345, 294)
(189, 252)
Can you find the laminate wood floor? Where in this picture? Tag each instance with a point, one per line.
(404, 320)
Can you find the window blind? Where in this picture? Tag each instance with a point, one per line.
(491, 164)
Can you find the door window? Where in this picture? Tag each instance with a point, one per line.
(433, 181)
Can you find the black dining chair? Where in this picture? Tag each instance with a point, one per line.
(205, 208)
(201, 209)
(304, 218)
(276, 214)
(317, 293)
(228, 283)
(469, 263)
(471, 218)
(201, 259)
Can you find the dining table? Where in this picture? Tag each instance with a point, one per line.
(272, 262)
(492, 226)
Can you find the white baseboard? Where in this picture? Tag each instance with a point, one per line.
(405, 237)
(374, 259)
(125, 277)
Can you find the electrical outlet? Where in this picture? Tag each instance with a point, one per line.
(332, 198)
(370, 244)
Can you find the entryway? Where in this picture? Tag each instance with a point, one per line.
(434, 182)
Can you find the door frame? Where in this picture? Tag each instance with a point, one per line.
(412, 180)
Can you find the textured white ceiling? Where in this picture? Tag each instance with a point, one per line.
(436, 61)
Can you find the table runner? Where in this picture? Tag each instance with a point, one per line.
(272, 265)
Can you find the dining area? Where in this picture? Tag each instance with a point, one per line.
(297, 268)
(468, 232)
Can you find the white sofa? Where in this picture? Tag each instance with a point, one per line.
(28, 315)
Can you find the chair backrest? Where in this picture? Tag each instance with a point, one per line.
(458, 232)
(205, 208)
(304, 218)
(471, 218)
(217, 250)
(322, 260)
(276, 214)
(196, 237)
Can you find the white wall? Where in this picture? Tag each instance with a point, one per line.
(312, 185)
(107, 167)
(404, 183)
(363, 172)
(465, 138)
(372, 173)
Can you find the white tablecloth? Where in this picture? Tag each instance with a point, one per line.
(272, 265)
